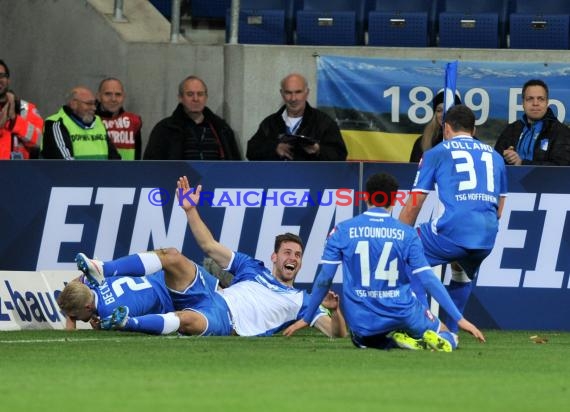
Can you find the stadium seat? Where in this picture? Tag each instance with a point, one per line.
(331, 22)
(209, 9)
(540, 24)
(264, 22)
(473, 24)
(409, 23)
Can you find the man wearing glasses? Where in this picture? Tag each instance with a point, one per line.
(75, 132)
(20, 123)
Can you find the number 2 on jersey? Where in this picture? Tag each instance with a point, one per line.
(136, 283)
(384, 270)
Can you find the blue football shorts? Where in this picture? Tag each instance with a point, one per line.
(202, 297)
(439, 250)
(418, 320)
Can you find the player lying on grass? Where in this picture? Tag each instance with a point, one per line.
(379, 254)
(258, 302)
(202, 308)
(80, 300)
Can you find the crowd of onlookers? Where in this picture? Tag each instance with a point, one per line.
(95, 125)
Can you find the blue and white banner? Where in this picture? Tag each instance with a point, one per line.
(51, 210)
(382, 105)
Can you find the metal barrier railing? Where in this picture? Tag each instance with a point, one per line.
(119, 16)
(175, 21)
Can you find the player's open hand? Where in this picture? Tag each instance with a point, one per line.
(187, 196)
(300, 324)
(472, 329)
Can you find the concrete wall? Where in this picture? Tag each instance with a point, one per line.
(53, 45)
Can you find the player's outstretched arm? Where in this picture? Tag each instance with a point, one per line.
(434, 287)
(188, 200)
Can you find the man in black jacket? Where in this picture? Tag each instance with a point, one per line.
(538, 138)
(193, 132)
(297, 131)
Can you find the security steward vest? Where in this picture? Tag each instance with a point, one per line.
(87, 143)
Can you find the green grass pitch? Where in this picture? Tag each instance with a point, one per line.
(113, 371)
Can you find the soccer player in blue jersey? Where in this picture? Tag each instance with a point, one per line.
(80, 300)
(471, 184)
(259, 301)
(379, 255)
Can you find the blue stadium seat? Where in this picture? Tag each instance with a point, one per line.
(542, 24)
(410, 23)
(473, 23)
(264, 22)
(209, 9)
(331, 22)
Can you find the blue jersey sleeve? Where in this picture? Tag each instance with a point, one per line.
(332, 257)
(435, 288)
(416, 258)
(425, 176)
(321, 286)
(244, 267)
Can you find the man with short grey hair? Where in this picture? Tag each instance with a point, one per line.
(297, 131)
(193, 131)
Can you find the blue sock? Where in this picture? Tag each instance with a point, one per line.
(139, 264)
(419, 290)
(153, 324)
(459, 292)
(449, 337)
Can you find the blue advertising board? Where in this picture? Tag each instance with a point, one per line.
(51, 210)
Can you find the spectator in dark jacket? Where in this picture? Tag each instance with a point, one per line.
(193, 131)
(297, 131)
(538, 138)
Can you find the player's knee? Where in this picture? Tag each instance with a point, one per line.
(170, 252)
(191, 323)
(171, 257)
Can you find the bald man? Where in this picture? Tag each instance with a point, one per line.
(75, 132)
(297, 131)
